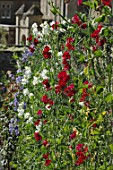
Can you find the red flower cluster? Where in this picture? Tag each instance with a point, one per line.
(81, 153)
(96, 35)
(69, 44)
(30, 38)
(65, 58)
(69, 90)
(39, 112)
(84, 95)
(37, 136)
(47, 100)
(63, 78)
(73, 135)
(77, 20)
(46, 84)
(45, 156)
(106, 2)
(46, 52)
(47, 161)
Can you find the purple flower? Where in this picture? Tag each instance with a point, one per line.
(24, 106)
(18, 79)
(19, 70)
(13, 127)
(21, 88)
(15, 102)
(25, 55)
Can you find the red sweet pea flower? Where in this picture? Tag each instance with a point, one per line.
(46, 84)
(45, 143)
(106, 2)
(37, 136)
(79, 146)
(58, 89)
(39, 112)
(45, 99)
(36, 41)
(69, 91)
(48, 161)
(63, 78)
(30, 38)
(95, 34)
(81, 153)
(46, 52)
(79, 2)
(45, 156)
(76, 20)
(84, 26)
(66, 55)
(84, 95)
(73, 135)
(69, 42)
(31, 49)
(67, 67)
(81, 160)
(37, 123)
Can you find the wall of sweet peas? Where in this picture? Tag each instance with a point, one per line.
(57, 111)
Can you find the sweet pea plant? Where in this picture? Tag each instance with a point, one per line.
(65, 101)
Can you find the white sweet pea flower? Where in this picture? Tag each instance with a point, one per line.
(28, 71)
(31, 95)
(60, 54)
(35, 80)
(25, 92)
(30, 120)
(81, 103)
(20, 112)
(27, 115)
(43, 74)
(24, 80)
(63, 22)
(21, 105)
(45, 27)
(34, 29)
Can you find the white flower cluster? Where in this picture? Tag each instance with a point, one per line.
(27, 75)
(20, 109)
(28, 117)
(45, 27)
(35, 29)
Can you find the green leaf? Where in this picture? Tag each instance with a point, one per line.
(54, 11)
(109, 97)
(99, 89)
(111, 147)
(98, 53)
(101, 18)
